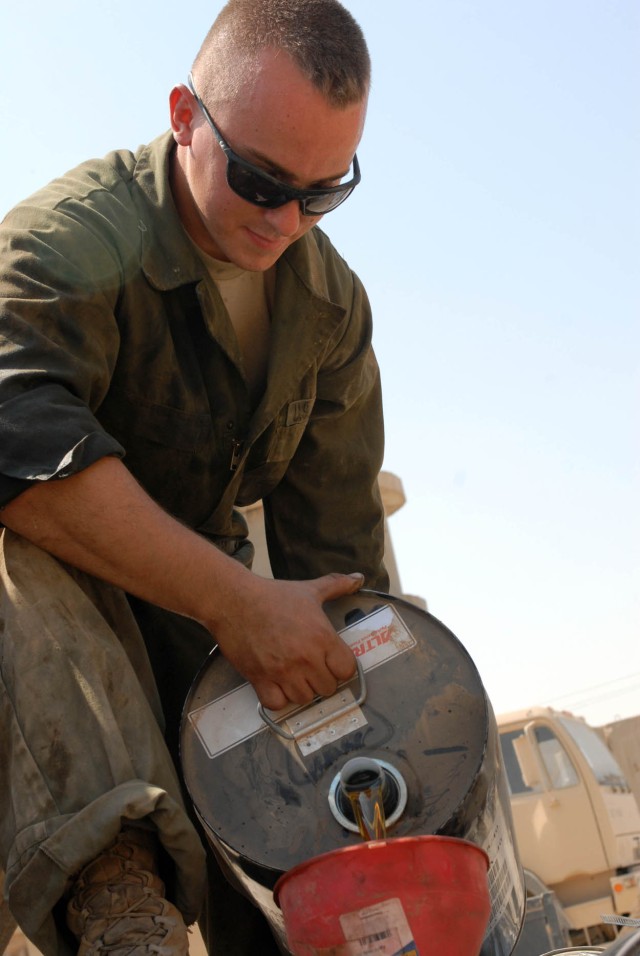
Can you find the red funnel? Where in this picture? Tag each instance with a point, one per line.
(408, 896)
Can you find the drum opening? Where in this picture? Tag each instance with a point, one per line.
(358, 774)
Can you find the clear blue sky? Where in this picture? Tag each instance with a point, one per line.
(497, 231)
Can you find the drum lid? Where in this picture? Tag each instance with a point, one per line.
(263, 789)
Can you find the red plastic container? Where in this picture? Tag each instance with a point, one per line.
(408, 896)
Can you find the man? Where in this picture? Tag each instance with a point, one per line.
(178, 339)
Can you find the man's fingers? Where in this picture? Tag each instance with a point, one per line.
(270, 695)
(276, 696)
(341, 662)
(325, 684)
(340, 666)
(336, 585)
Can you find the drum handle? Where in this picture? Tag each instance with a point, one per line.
(310, 728)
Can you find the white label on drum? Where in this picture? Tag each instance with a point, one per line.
(378, 637)
(226, 722)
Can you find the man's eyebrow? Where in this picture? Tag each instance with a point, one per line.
(281, 173)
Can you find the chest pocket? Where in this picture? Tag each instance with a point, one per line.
(270, 456)
(289, 429)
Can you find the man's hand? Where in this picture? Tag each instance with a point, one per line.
(277, 635)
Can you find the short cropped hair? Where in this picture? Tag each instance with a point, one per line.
(320, 36)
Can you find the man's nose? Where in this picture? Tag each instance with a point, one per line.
(286, 219)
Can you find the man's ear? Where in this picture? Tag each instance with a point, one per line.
(182, 113)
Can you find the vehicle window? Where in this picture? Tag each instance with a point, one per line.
(557, 762)
(599, 757)
(511, 765)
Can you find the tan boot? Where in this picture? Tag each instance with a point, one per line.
(117, 904)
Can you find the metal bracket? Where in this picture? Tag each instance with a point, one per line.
(331, 715)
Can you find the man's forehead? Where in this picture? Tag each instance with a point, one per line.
(234, 82)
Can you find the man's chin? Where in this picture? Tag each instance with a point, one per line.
(262, 249)
(257, 260)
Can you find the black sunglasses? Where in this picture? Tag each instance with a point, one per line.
(257, 187)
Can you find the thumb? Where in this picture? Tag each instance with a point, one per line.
(336, 585)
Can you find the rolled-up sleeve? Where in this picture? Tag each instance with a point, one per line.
(59, 283)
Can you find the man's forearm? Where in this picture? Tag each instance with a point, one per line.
(102, 522)
(274, 632)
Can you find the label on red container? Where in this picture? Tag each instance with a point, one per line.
(380, 930)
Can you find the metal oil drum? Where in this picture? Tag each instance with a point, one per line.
(266, 786)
